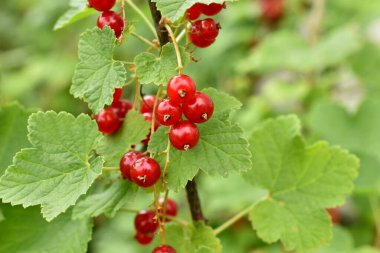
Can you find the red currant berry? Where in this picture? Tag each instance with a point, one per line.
(121, 107)
(272, 10)
(168, 112)
(108, 121)
(334, 214)
(213, 9)
(148, 104)
(202, 43)
(127, 161)
(144, 239)
(148, 116)
(117, 94)
(164, 249)
(102, 5)
(145, 222)
(113, 20)
(195, 11)
(200, 109)
(184, 135)
(206, 29)
(181, 88)
(145, 172)
(171, 208)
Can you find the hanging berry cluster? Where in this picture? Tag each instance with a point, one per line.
(203, 32)
(108, 17)
(146, 221)
(184, 99)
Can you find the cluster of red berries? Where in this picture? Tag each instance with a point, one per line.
(272, 10)
(111, 119)
(204, 32)
(146, 221)
(108, 17)
(184, 99)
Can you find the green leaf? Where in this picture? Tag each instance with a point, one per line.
(134, 130)
(108, 201)
(342, 242)
(220, 151)
(25, 231)
(366, 249)
(358, 132)
(302, 182)
(97, 73)
(1, 215)
(197, 238)
(78, 10)
(150, 69)
(58, 169)
(224, 104)
(13, 133)
(174, 9)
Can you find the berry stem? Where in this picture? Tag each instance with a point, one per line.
(167, 151)
(146, 41)
(123, 9)
(137, 94)
(159, 91)
(315, 21)
(375, 206)
(176, 47)
(163, 217)
(144, 17)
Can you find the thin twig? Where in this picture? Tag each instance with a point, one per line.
(146, 41)
(176, 47)
(144, 17)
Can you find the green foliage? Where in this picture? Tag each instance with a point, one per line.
(58, 169)
(25, 231)
(97, 73)
(78, 10)
(302, 182)
(150, 69)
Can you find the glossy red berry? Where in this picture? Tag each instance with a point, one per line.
(184, 135)
(213, 9)
(148, 116)
(102, 5)
(113, 20)
(108, 121)
(334, 214)
(200, 109)
(171, 207)
(195, 11)
(144, 239)
(168, 112)
(181, 88)
(117, 94)
(204, 32)
(202, 43)
(272, 10)
(145, 172)
(148, 104)
(145, 222)
(121, 107)
(127, 161)
(164, 249)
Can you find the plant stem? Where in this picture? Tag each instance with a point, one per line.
(194, 201)
(177, 51)
(162, 33)
(375, 206)
(137, 94)
(146, 41)
(144, 17)
(234, 219)
(315, 21)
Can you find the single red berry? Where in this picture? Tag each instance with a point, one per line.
(181, 88)
(200, 109)
(145, 222)
(117, 94)
(164, 249)
(113, 20)
(144, 239)
(145, 172)
(148, 104)
(171, 208)
(202, 43)
(272, 10)
(127, 161)
(121, 107)
(195, 11)
(168, 112)
(148, 116)
(102, 5)
(213, 9)
(108, 121)
(184, 135)
(204, 32)
(334, 214)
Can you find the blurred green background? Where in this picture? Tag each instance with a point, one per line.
(332, 84)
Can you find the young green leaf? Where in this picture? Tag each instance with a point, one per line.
(97, 73)
(25, 231)
(13, 133)
(174, 9)
(78, 10)
(108, 201)
(150, 69)
(302, 182)
(358, 132)
(58, 169)
(134, 130)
